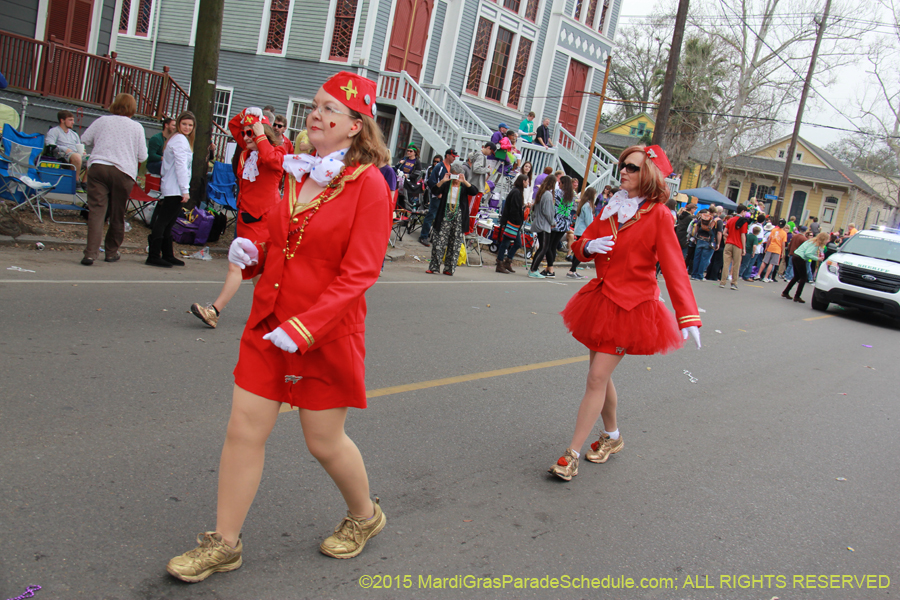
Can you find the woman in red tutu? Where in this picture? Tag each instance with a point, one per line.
(619, 312)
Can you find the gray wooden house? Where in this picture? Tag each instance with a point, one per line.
(448, 71)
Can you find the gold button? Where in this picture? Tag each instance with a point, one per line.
(276, 286)
(296, 219)
(284, 250)
(607, 258)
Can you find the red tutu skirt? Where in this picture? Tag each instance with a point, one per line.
(604, 326)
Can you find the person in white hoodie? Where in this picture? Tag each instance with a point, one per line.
(175, 189)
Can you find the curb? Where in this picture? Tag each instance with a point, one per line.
(52, 242)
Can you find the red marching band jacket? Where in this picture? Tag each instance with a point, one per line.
(628, 272)
(258, 196)
(316, 288)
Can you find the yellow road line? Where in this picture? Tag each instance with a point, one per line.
(817, 318)
(759, 286)
(424, 385)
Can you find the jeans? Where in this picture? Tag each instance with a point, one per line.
(789, 271)
(746, 265)
(508, 247)
(429, 218)
(702, 256)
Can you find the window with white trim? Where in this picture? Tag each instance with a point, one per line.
(830, 208)
(342, 33)
(222, 107)
(298, 110)
(135, 18)
(499, 63)
(592, 13)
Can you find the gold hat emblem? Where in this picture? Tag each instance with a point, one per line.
(349, 89)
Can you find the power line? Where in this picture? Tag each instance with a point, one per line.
(747, 25)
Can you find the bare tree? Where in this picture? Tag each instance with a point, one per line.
(642, 49)
(770, 42)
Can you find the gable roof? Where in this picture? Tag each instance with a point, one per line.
(629, 120)
(836, 171)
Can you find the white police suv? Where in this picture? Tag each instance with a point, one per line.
(864, 273)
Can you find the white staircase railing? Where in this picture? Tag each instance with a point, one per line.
(423, 113)
(603, 165)
(457, 109)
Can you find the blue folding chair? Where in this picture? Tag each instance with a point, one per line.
(67, 186)
(222, 189)
(21, 179)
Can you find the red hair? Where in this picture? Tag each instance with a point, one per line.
(651, 182)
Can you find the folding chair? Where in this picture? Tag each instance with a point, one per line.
(20, 179)
(472, 240)
(222, 190)
(67, 187)
(140, 204)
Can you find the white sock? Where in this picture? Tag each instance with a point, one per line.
(577, 453)
(613, 435)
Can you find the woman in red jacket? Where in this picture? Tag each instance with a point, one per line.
(304, 343)
(620, 311)
(259, 178)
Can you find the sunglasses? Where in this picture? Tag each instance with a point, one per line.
(278, 126)
(630, 167)
(247, 133)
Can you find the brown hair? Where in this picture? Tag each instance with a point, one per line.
(588, 196)
(123, 105)
(567, 187)
(367, 147)
(63, 115)
(651, 184)
(186, 116)
(821, 239)
(548, 185)
(276, 139)
(519, 183)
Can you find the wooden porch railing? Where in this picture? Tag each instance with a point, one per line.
(56, 71)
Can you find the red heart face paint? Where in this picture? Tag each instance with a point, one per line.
(332, 125)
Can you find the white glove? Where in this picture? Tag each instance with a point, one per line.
(600, 245)
(694, 332)
(282, 340)
(254, 111)
(243, 253)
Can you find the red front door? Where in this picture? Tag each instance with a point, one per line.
(406, 50)
(571, 102)
(69, 21)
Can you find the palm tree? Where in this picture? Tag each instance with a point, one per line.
(698, 92)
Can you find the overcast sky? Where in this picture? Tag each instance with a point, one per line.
(842, 94)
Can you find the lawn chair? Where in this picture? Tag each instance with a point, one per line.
(20, 179)
(222, 190)
(140, 204)
(472, 240)
(66, 190)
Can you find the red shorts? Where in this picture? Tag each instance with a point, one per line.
(330, 376)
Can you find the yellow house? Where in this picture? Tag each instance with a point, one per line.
(635, 127)
(819, 186)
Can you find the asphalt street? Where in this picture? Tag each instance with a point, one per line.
(773, 475)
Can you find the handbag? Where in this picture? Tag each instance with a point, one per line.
(511, 231)
(193, 228)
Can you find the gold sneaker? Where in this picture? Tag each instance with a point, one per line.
(350, 537)
(207, 314)
(566, 467)
(602, 448)
(213, 555)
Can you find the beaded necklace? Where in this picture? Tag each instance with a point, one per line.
(331, 190)
(452, 212)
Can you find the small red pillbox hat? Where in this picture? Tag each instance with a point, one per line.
(353, 91)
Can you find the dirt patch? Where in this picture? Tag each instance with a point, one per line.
(76, 232)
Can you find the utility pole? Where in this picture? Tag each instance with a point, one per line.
(587, 169)
(665, 100)
(203, 86)
(789, 159)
